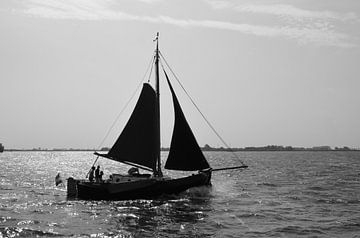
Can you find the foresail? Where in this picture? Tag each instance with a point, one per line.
(185, 153)
(137, 142)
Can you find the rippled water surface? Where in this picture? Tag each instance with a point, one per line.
(282, 194)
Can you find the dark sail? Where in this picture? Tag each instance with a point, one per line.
(137, 143)
(185, 153)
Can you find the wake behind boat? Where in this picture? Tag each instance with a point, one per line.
(143, 131)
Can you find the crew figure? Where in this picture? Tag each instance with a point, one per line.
(91, 176)
(97, 174)
(100, 176)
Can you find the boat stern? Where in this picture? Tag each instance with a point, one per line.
(72, 187)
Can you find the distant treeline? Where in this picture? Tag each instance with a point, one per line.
(267, 148)
(279, 148)
(209, 148)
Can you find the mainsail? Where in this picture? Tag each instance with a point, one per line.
(185, 153)
(137, 143)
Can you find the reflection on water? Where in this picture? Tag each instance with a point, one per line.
(281, 194)
(147, 218)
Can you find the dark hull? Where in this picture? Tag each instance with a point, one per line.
(142, 189)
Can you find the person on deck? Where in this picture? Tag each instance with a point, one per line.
(97, 174)
(100, 176)
(91, 176)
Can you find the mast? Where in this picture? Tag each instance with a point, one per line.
(157, 89)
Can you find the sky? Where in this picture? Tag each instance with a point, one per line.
(263, 72)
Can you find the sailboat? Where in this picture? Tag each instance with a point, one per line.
(138, 145)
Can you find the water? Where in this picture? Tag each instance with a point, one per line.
(282, 194)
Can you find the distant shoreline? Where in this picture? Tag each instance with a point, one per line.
(207, 148)
(15, 150)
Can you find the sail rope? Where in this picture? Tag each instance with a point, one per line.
(198, 109)
(151, 63)
(151, 69)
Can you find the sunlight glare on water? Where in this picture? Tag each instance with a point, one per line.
(289, 194)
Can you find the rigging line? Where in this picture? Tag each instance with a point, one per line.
(152, 66)
(127, 103)
(198, 109)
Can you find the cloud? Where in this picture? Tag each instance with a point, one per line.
(283, 11)
(289, 11)
(303, 35)
(77, 9)
(218, 4)
(321, 25)
(319, 33)
(150, 1)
